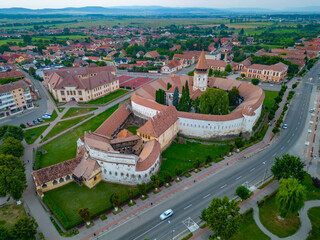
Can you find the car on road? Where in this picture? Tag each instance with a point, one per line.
(35, 122)
(311, 110)
(29, 124)
(40, 120)
(285, 126)
(166, 214)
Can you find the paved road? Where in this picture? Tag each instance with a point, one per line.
(190, 202)
(30, 115)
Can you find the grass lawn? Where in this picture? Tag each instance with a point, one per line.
(269, 218)
(64, 125)
(108, 97)
(9, 214)
(71, 197)
(269, 99)
(314, 216)
(178, 155)
(248, 225)
(60, 109)
(67, 143)
(77, 111)
(313, 192)
(32, 135)
(53, 117)
(133, 129)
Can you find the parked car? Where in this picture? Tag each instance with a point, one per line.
(40, 120)
(311, 110)
(166, 214)
(285, 126)
(35, 122)
(29, 124)
(47, 116)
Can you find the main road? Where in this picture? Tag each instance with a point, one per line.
(190, 201)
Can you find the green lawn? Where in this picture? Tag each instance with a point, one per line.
(9, 214)
(60, 109)
(132, 129)
(71, 197)
(53, 117)
(31, 135)
(64, 125)
(108, 98)
(269, 99)
(248, 225)
(314, 216)
(179, 155)
(313, 192)
(77, 111)
(269, 218)
(65, 146)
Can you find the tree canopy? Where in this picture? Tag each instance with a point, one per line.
(11, 131)
(185, 101)
(233, 96)
(214, 101)
(290, 197)
(243, 192)
(12, 176)
(288, 166)
(175, 100)
(84, 214)
(25, 228)
(160, 96)
(222, 217)
(12, 146)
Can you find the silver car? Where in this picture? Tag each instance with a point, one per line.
(166, 214)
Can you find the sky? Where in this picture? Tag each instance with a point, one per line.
(268, 4)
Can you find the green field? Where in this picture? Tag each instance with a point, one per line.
(313, 193)
(10, 213)
(72, 112)
(71, 197)
(67, 143)
(314, 216)
(44, 39)
(269, 99)
(184, 155)
(268, 215)
(31, 135)
(64, 125)
(108, 98)
(248, 225)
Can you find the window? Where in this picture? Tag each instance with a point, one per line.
(62, 92)
(80, 92)
(44, 185)
(95, 178)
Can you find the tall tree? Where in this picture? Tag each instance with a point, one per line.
(228, 68)
(155, 181)
(12, 146)
(11, 131)
(12, 176)
(167, 177)
(243, 192)
(130, 195)
(5, 233)
(214, 101)
(233, 96)
(85, 215)
(222, 217)
(175, 100)
(178, 172)
(115, 201)
(290, 197)
(142, 188)
(25, 228)
(288, 166)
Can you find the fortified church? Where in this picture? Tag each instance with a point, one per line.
(113, 154)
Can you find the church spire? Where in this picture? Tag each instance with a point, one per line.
(202, 65)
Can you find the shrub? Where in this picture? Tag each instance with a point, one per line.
(316, 182)
(255, 81)
(275, 130)
(243, 192)
(238, 142)
(23, 125)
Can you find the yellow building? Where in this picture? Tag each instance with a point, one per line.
(163, 127)
(272, 73)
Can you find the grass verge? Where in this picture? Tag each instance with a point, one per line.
(269, 99)
(107, 98)
(31, 135)
(72, 112)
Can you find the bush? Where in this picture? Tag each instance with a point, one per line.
(275, 130)
(243, 192)
(316, 182)
(23, 125)
(238, 142)
(255, 81)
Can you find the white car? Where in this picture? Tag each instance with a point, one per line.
(47, 116)
(166, 214)
(285, 126)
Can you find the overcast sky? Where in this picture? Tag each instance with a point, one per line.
(269, 4)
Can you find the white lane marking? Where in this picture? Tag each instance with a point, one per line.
(223, 186)
(288, 140)
(238, 177)
(148, 230)
(264, 162)
(252, 169)
(282, 147)
(187, 206)
(207, 195)
(274, 155)
(293, 133)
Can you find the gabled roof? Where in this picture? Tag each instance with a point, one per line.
(86, 168)
(159, 123)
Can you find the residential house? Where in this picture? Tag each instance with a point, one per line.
(272, 73)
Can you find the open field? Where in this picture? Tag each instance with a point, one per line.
(72, 112)
(248, 225)
(44, 38)
(269, 99)
(64, 125)
(9, 214)
(67, 143)
(184, 155)
(269, 218)
(71, 197)
(31, 135)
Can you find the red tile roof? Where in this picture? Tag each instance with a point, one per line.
(202, 62)
(148, 156)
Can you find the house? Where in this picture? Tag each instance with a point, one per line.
(214, 55)
(152, 54)
(273, 73)
(81, 84)
(119, 61)
(186, 59)
(250, 40)
(219, 65)
(173, 66)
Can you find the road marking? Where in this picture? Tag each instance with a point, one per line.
(238, 177)
(223, 186)
(293, 133)
(288, 140)
(264, 162)
(207, 195)
(252, 169)
(148, 230)
(274, 155)
(187, 206)
(282, 147)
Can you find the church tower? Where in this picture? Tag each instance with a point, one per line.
(200, 79)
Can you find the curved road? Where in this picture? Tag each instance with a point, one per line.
(190, 201)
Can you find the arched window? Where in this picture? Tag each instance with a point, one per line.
(44, 185)
(110, 173)
(61, 180)
(54, 182)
